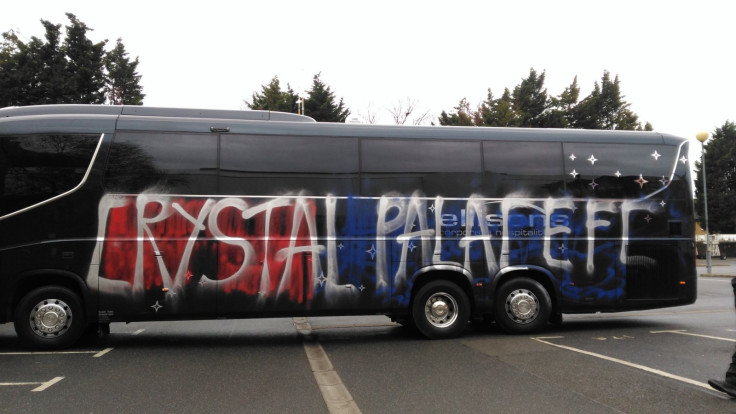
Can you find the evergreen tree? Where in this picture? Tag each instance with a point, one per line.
(9, 69)
(586, 114)
(272, 98)
(49, 71)
(122, 84)
(506, 114)
(499, 112)
(32, 73)
(530, 100)
(605, 108)
(461, 117)
(51, 67)
(560, 114)
(85, 66)
(529, 105)
(720, 167)
(320, 103)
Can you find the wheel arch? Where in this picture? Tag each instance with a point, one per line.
(29, 281)
(449, 272)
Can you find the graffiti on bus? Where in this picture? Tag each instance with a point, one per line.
(299, 248)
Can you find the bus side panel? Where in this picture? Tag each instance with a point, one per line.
(172, 256)
(629, 234)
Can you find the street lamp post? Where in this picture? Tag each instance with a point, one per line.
(702, 137)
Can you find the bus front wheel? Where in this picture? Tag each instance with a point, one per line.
(522, 306)
(49, 318)
(441, 309)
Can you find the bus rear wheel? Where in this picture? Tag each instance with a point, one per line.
(441, 309)
(522, 306)
(49, 318)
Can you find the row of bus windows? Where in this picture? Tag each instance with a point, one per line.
(265, 165)
(34, 168)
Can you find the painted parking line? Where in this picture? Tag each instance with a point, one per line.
(97, 354)
(622, 362)
(101, 353)
(42, 386)
(335, 394)
(684, 332)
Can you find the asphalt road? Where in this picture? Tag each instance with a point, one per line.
(635, 362)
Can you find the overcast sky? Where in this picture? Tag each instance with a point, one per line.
(675, 60)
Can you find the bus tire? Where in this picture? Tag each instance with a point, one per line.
(440, 310)
(49, 317)
(522, 306)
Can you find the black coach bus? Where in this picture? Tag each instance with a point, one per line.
(131, 213)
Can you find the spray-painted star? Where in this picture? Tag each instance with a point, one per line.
(372, 251)
(641, 181)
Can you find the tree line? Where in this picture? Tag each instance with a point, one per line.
(526, 105)
(68, 69)
(74, 69)
(320, 102)
(529, 105)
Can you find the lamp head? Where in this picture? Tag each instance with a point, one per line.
(702, 136)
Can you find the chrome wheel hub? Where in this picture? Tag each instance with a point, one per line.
(522, 306)
(50, 317)
(440, 310)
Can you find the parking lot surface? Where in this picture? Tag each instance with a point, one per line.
(634, 362)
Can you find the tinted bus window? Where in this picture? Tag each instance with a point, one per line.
(164, 163)
(523, 169)
(265, 165)
(445, 168)
(610, 170)
(34, 168)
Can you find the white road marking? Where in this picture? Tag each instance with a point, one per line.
(97, 354)
(628, 364)
(684, 332)
(41, 385)
(47, 384)
(336, 395)
(101, 353)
